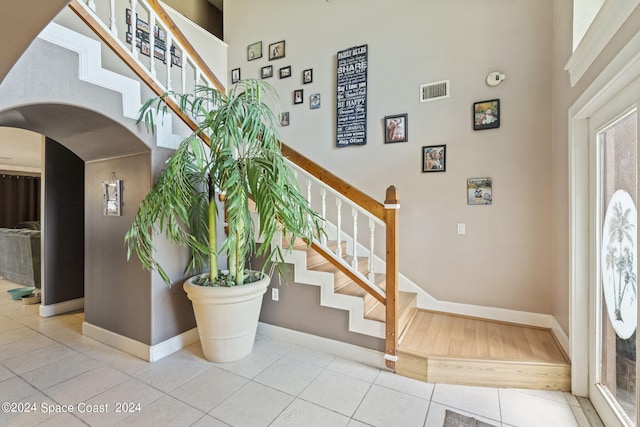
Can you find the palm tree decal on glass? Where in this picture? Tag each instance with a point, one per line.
(619, 266)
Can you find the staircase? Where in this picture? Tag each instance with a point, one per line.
(363, 278)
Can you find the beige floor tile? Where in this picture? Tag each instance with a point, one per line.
(208, 389)
(165, 411)
(86, 385)
(60, 371)
(38, 358)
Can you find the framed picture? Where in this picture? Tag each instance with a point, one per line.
(111, 194)
(479, 191)
(254, 51)
(297, 96)
(276, 50)
(434, 158)
(235, 75)
(314, 101)
(396, 128)
(285, 72)
(284, 119)
(267, 72)
(486, 114)
(307, 76)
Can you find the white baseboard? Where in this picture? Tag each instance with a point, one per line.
(337, 348)
(150, 353)
(61, 307)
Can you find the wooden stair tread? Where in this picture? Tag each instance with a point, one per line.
(405, 301)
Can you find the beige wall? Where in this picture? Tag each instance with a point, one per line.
(505, 259)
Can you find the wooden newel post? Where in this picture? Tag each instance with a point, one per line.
(392, 207)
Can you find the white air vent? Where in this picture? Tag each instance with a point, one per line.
(434, 91)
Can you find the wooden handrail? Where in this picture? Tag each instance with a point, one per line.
(342, 187)
(188, 47)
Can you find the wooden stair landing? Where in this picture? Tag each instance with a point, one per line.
(451, 349)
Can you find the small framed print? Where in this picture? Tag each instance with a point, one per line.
(486, 114)
(112, 196)
(479, 191)
(267, 72)
(284, 119)
(254, 51)
(396, 128)
(314, 101)
(276, 50)
(285, 72)
(307, 76)
(434, 158)
(235, 75)
(297, 96)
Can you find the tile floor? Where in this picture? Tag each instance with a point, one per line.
(48, 365)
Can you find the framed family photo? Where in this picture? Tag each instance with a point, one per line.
(434, 158)
(254, 51)
(396, 128)
(479, 191)
(276, 50)
(235, 75)
(314, 101)
(486, 114)
(285, 72)
(297, 96)
(307, 76)
(266, 72)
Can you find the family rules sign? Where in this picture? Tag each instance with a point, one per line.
(351, 128)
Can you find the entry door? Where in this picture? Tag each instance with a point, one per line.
(614, 288)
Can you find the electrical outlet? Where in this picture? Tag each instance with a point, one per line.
(274, 294)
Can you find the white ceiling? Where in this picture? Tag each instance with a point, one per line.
(20, 150)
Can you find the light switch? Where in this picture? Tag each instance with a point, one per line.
(462, 228)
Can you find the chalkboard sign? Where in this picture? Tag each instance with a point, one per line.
(351, 125)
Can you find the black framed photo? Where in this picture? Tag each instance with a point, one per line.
(486, 114)
(254, 51)
(235, 75)
(284, 119)
(307, 76)
(314, 101)
(434, 158)
(276, 50)
(266, 71)
(285, 72)
(396, 128)
(297, 96)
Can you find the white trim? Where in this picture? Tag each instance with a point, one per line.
(604, 27)
(325, 345)
(150, 353)
(61, 307)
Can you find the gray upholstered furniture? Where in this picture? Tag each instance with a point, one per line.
(20, 256)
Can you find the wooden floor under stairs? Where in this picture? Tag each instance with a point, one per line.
(451, 349)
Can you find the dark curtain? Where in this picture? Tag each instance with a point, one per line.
(19, 199)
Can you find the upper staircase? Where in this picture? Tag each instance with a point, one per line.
(356, 263)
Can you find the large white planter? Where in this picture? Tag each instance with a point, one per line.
(227, 318)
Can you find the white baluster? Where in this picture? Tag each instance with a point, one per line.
(198, 76)
(323, 196)
(92, 5)
(152, 43)
(372, 234)
(114, 29)
(183, 74)
(354, 262)
(169, 41)
(339, 227)
(309, 191)
(134, 24)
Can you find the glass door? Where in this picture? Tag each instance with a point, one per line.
(615, 309)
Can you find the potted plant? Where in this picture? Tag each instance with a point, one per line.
(242, 162)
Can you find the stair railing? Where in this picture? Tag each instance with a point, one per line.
(157, 72)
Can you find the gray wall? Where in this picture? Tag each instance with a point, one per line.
(63, 232)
